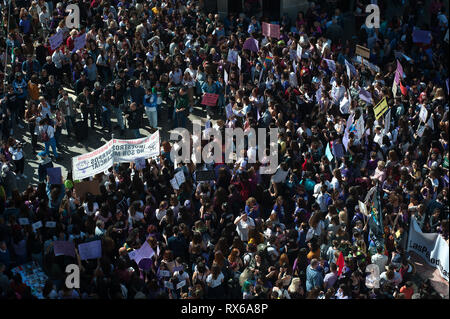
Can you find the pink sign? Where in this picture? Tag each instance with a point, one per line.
(271, 30)
(210, 99)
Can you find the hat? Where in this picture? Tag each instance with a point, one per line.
(187, 203)
(68, 184)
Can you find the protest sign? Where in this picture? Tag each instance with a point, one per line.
(93, 163)
(271, 30)
(251, 44)
(177, 180)
(208, 175)
(56, 40)
(24, 221)
(79, 42)
(64, 248)
(380, 108)
(229, 110)
(362, 51)
(55, 175)
(126, 151)
(299, 52)
(351, 70)
(423, 114)
(239, 62)
(363, 208)
(140, 163)
(432, 247)
(232, 56)
(210, 99)
(387, 122)
(168, 285)
(90, 250)
(164, 273)
(138, 255)
(50, 224)
(328, 153)
(82, 188)
(371, 66)
(114, 151)
(36, 225)
(225, 77)
(331, 65)
(421, 36)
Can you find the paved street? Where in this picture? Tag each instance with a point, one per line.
(96, 138)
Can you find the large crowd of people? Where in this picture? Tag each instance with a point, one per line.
(301, 235)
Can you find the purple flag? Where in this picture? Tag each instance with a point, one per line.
(421, 36)
(251, 44)
(365, 96)
(142, 256)
(90, 250)
(64, 248)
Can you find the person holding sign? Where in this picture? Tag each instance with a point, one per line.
(209, 87)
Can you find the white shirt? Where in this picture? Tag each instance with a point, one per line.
(213, 283)
(380, 260)
(160, 213)
(242, 227)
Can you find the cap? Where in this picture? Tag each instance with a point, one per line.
(68, 184)
(187, 203)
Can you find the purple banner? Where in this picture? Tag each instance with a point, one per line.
(90, 250)
(64, 248)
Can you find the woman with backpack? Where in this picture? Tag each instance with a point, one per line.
(47, 134)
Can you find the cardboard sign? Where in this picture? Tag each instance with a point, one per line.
(208, 175)
(362, 51)
(82, 188)
(210, 99)
(55, 175)
(90, 250)
(64, 248)
(271, 30)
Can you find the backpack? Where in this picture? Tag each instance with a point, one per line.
(44, 136)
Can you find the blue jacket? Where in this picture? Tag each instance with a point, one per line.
(151, 100)
(313, 278)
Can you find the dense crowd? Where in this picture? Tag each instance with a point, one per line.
(243, 235)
